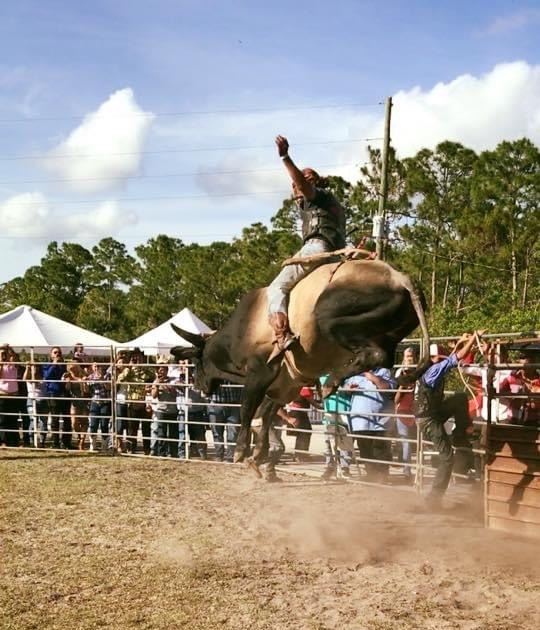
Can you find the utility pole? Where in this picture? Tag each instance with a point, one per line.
(379, 220)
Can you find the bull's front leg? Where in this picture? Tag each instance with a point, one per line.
(263, 421)
(258, 380)
(259, 428)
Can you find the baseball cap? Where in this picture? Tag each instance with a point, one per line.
(436, 350)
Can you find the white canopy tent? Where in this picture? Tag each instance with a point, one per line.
(26, 327)
(161, 339)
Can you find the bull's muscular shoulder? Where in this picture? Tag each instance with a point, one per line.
(249, 321)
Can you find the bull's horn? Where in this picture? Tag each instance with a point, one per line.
(193, 338)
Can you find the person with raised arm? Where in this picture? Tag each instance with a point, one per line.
(433, 409)
(323, 230)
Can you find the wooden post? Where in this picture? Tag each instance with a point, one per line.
(379, 221)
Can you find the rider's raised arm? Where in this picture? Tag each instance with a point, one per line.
(302, 185)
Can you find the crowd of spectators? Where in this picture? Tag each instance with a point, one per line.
(67, 403)
(70, 402)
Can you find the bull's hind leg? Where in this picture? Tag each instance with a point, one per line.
(358, 322)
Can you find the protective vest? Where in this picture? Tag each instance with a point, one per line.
(323, 217)
(428, 400)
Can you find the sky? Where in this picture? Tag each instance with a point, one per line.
(131, 119)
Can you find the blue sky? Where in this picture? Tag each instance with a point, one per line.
(465, 70)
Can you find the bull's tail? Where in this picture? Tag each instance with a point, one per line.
(424, 361)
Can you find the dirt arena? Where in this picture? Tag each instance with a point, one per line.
(100, 542)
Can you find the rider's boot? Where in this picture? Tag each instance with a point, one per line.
(283, 337)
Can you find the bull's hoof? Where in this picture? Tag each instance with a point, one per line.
(238, 457)
(273, 478)
(240, 454)
(250, 462)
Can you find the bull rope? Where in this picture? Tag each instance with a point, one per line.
(347, 253)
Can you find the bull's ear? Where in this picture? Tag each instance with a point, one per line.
(194, 338)
(180, 353)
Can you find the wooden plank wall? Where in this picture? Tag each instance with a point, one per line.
(512, 492)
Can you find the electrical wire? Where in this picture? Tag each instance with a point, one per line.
(214, 112)
(192, 174)
(451, 259)
(64, 202)
(188, 150)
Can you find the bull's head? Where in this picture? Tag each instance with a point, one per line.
(193, 353)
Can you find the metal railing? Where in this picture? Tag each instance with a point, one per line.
(122, 413)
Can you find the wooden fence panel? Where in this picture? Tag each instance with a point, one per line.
(513, 479)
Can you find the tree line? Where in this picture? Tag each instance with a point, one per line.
(464, 225)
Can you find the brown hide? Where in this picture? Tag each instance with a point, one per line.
(353, 273)
(314, 354)
(348, 317)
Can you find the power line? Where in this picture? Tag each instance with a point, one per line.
(192, 174)
(154, 198)
(214, 112)
(124, 238)
(451, 259)
(189, 150)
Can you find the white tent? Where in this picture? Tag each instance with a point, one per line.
(26, 327)
(161, 339)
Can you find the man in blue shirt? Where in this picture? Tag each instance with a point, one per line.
(367, 402)
(58, 405)
(432, 410)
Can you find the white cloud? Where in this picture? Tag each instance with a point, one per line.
(30, 215)
(514, 21)
(256, 167)
(106, 147)
(479, 112)
(232, 176)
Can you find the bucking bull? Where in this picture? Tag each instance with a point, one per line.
(349, 317)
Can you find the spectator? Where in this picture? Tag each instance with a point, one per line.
(192, 415)
(403, 407)
(122, 372)
(100, 406)
(224, 416)
(80, 355)
(432, 410)
(336, 420)
(480, 375)
(20, 398)
(367, 402)
(164, 421)
(476, 380)
(77, 389)
(58, 405)
(139, 412)
(523, 381)
(9, 428)
(36, 403)
(298, 421)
